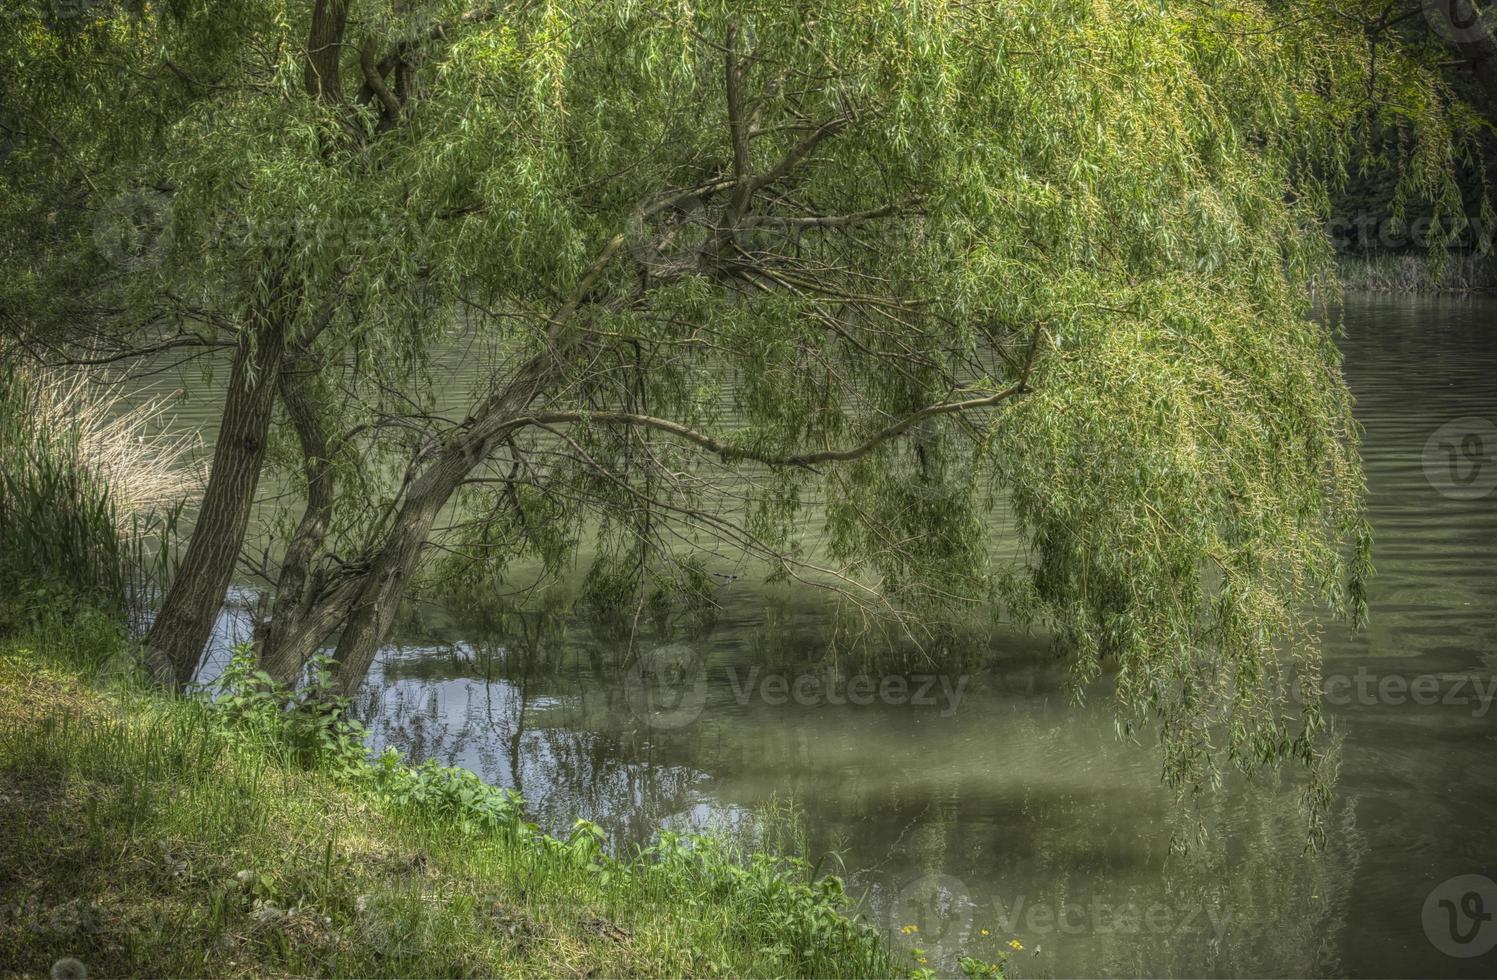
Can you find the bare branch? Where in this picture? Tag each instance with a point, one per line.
(800, 151)
(715, 445)
(375, 82)
(823, 221)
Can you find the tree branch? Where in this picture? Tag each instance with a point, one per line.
(375, 82)
(715, 445)
(823, 221)
(737, 127)
(800, 151)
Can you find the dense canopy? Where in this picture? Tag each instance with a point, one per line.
(917, 260)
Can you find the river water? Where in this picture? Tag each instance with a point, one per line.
(986, 807)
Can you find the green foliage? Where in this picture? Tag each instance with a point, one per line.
(81, 636)
(447, 792)
(774, 904)
(309, 723)
(309, 726)
(977, 969)
(777, 905)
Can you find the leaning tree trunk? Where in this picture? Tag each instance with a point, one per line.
(310, 600)
(378, 601)
(185, 622)
(373, 609)
(281, 655)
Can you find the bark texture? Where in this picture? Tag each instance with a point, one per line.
(185, 622)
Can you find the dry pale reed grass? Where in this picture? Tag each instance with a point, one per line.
(147, 465)
(91, 485)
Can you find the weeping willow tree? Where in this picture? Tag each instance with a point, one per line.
(909, 261)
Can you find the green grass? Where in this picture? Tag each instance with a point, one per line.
(147, 835)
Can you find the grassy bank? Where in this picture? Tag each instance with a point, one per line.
(147, 835)
(1456, 273)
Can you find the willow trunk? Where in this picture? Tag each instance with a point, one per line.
(185, 621)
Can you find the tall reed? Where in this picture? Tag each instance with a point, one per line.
(90, 491)
(1456, 272)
